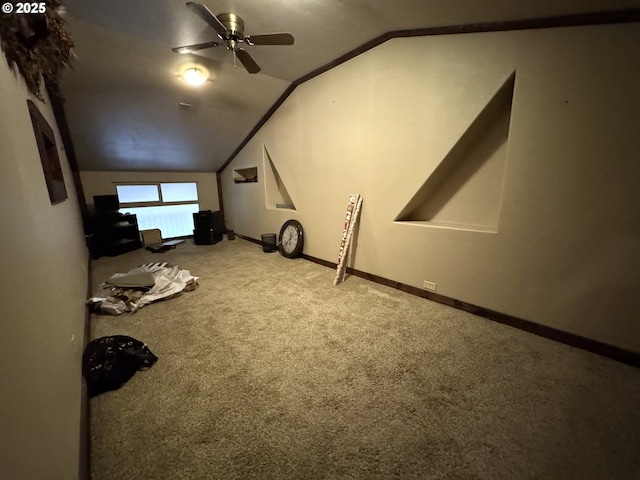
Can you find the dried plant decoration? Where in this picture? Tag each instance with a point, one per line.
(37, 45)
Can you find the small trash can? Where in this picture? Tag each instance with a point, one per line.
(269, 242)
(231, 235)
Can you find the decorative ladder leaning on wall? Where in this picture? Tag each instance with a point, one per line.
(350, 221)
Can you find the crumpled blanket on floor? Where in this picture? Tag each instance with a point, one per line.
(168, 279)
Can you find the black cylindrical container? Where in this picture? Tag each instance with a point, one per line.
(269, 242)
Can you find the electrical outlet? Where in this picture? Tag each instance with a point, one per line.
(430, 285)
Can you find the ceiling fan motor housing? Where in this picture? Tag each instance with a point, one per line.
(234, 24)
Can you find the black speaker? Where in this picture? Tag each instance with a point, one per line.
(206, 237)
(203, 220)
(207, 220)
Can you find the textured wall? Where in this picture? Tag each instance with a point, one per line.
(561, 249)
(42, 295)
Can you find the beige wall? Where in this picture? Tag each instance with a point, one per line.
(43, 290)
(562, 247)
(103, 183)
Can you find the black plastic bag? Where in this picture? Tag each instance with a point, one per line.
(109, 362)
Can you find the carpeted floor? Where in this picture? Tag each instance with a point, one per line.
(268, 371)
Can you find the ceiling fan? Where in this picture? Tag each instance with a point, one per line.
(230, 29)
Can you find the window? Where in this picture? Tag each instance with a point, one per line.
(138, 193)
(167, 206)
(179, 192)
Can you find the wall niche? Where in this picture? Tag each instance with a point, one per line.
(464, 192)
(246, 175)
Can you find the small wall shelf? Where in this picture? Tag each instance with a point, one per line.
(246, 175)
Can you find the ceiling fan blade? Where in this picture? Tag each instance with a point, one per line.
(246, 60)
(193, 48)
(270, 39)
(207, 15)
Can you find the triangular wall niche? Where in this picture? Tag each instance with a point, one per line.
(465, 190)
(276, 193)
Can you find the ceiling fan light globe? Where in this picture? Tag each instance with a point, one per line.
(194, 76)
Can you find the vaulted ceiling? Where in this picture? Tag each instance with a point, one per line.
(122, 96)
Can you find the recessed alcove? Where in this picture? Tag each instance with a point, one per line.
(464, 192)
(276, 192)
(245, 175)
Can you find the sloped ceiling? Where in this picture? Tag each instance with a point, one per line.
(122, 96)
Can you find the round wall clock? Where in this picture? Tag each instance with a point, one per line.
(291, 239)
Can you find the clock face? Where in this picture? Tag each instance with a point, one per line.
(291, 239)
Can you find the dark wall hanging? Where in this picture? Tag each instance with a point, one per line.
(46, 141)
